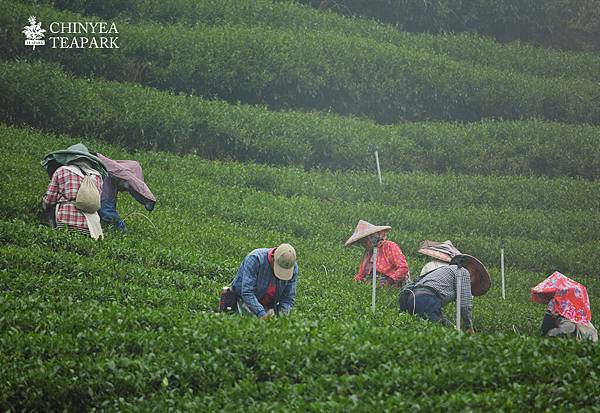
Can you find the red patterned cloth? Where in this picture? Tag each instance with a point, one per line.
(267, 299)
(565, 297)
(391, 262)
(62, 190)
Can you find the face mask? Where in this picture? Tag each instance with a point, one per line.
(374, 240)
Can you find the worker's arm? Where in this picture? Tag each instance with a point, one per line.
(288, 295)
(53, 192)
(360, 275)
(249, 272)
(392, 250)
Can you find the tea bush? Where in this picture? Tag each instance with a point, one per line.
(476, 49)
(314, 71)
(128, 323)
(39, 94)
(548, 22)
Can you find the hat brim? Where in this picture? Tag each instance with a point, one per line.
(374, 230)
(82, 154)
(284, 274)
(480, 277)
(49, 161)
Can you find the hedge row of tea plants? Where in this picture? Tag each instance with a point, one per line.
(128, 324)
(472, 48)
(42, 95)
(121, 356)
(412, 190)
(314, 71)
(545, 22)
(538, 240)
(234, 215)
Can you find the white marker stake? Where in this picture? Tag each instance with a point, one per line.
(502, 271)
(374, 281)
(458, 289)
(378, 168)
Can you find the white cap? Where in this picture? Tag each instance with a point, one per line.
(284, 260)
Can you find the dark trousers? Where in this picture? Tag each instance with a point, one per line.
(424, 303)
(548, 323)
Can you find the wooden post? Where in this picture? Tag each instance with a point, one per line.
(458, 291)
(502, 269)
(374, 280)
(375, 150)
(378, 168)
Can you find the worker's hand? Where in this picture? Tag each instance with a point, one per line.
(471, 330)
(270, 313)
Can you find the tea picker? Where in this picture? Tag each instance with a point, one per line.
(568, 310)
(265, 284)
(123, 176)
(380, 256)
(72, 200)
(454, 277)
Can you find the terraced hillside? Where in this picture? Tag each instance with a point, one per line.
(129, 323)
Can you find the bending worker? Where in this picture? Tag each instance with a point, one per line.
(123, 175)
(568, 312)
(68, 170)
(391, 262)
(433, 291)
(265, 284)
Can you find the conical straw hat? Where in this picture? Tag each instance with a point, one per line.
(364, 229)
(480, 277)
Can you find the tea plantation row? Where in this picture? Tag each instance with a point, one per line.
(136, 353)
(413, 190)
(128, 323)
(548, 22)
(123, 355)
(536, 239)
(540, 240)
(314, 71)
(42, 95)
(288, 15)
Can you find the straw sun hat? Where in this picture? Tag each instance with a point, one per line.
(480, 277)
(364, 229)
(448, 253)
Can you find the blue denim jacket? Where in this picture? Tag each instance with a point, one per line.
(252, 281)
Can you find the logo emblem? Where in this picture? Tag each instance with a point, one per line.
(34, 33)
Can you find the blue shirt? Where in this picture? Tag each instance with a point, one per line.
(252, 281)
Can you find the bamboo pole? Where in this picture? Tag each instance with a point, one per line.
(374, 280)
(502, 269)
(458, 291)
(378, 168)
